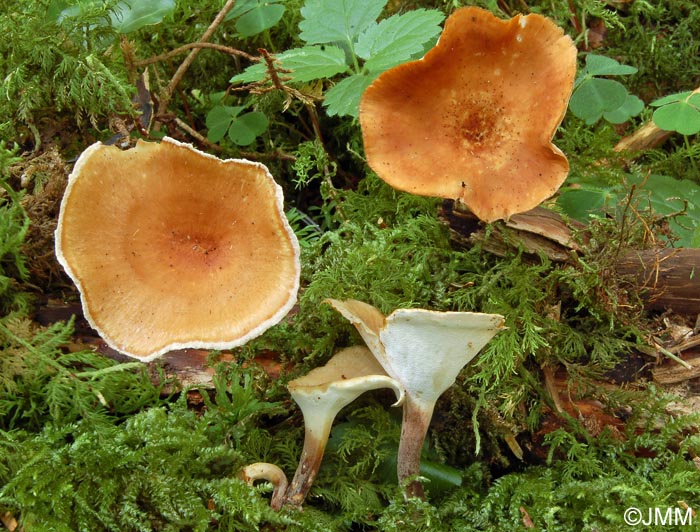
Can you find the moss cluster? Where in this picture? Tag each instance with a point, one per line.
(90, 444)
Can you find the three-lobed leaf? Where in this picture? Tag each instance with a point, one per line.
(600, 65)
(256, 16)
(632, 106)
(242, 129)
(595, 98)
(678, 112)
(247, 127)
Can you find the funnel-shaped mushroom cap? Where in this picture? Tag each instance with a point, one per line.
(321, 394)
(422, 349)
(173, 248)
(474, 119)
(346, 376)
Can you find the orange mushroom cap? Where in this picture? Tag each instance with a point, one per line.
(474, 119)
(171, 247)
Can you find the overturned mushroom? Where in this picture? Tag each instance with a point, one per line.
(424, 351)
(474, 119)
(321, 394)
(273, 474)
(171, 247)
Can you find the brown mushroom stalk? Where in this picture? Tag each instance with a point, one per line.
(321, 394)
(424, 351)
(171, 247)
(474, 119)
(273, 474)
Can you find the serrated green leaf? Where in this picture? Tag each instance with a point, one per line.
(327, 21)
(131, 16)
(313, 62)
(260, 18)
(670, 98)
(247, 127)
(631, 107)
(306, 64)
(678, 116)
(219, 119)
(600, 65)
(255, 72)
(396, 39)
(344, 98)
(596, 96)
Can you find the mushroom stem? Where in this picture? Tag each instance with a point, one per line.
(416, 419)
(316, 433)
(271, 473)
(321, 394)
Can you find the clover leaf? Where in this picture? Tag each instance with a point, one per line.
(678, 112)
(242, 129)
(255, 16)
(595, 98)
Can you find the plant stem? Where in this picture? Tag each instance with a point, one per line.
(316, 434)
(180, 72)
(416, 419)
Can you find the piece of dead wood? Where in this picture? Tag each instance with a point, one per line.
(671, 372)
(536, 232)
(668, 279)
(645, 138)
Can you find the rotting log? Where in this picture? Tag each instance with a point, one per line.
(667, 278)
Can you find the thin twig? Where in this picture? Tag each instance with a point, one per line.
(197, 135)
(180, 72)
(189, 46)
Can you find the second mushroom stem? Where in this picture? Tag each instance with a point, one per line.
(416, 419)
(316, 434)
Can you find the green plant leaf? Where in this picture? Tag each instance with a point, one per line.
(313, 62)
(255, 72)
(632, 106)
(586, 200)
(260, 18)
(670, 98)
(306, 64)
(241, 7)
(596, 96)
(668, 195)
(133, 15)
(344, 98)
(397, 38)
(219, 119)
(600, 65)
(247, 127)
(343, 21)
(678, 116)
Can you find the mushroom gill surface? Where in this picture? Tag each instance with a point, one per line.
(171, 247)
